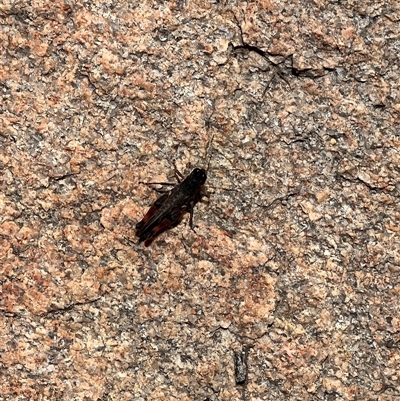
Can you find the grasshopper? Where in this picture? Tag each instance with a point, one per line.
(168, 210)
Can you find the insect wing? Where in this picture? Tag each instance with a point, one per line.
(149, 219)
(158, 224)
(165, 224)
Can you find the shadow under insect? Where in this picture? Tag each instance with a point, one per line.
(169, 209)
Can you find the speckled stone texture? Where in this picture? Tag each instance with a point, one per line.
(295, 261)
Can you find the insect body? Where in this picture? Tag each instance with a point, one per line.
(168, 210)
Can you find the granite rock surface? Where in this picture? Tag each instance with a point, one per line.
(292, 277)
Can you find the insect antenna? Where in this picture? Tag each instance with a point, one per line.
(208, 152)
